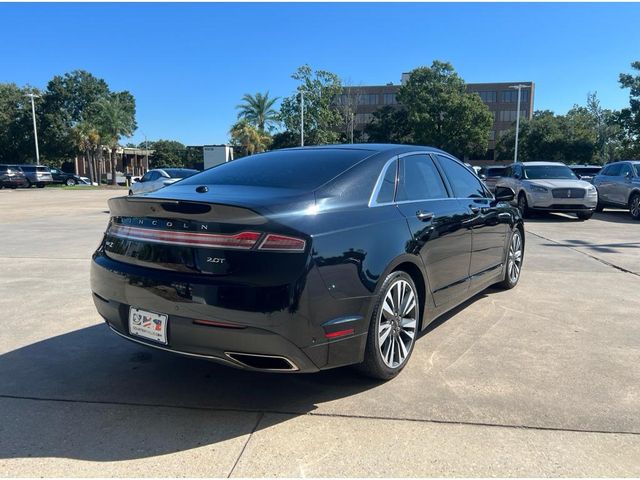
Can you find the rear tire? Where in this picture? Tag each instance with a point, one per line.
(634, 206)
(513, 265)
(70, 182)
(29, 184)
(393, 328)
(584, 215)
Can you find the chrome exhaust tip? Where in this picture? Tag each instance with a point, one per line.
(268, 363)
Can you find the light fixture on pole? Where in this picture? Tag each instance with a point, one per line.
(302, 118)
(518, 87)
(35, 129)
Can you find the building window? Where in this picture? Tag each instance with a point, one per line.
(511, 96)
(364, 118)
(488, 97)
(492, 135)
(368, 99)
(510, 115)
(390, 99)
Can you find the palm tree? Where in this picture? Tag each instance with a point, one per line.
(87, 141)
(248, 137)
(116, 117)
(258, 110)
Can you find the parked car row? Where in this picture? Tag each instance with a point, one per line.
(577, 189)
(158, 178)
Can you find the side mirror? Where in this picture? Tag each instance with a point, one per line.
(504, 194)
(137, 180)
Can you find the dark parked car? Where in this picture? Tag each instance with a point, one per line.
(618, 186)
(60, 176)
(37, 175)
(305, 259)
(490, 175)
(586, 172)
(12, 177)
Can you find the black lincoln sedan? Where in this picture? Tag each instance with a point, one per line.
(305, 259)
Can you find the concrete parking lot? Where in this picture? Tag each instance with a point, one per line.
(542, 380)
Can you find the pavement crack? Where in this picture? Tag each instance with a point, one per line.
(316, 414)
(598, 259)
(255, 427)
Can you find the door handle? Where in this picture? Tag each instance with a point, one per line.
(424, 216)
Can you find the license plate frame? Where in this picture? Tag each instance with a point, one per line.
(148, 325)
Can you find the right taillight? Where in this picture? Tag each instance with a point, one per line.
(282, 243)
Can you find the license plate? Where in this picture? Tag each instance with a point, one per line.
(149, 325)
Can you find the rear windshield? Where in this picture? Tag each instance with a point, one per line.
(540, 172)
(297, 169)
(180, 172)
(495, 172)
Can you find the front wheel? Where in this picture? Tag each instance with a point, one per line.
(584, 215)
(634, 206)
(523, 206)
(393, 328)
(70, 182)
(513, 265)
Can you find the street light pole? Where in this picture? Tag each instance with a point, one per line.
(302, 118)
(519, 87)
(35, 129)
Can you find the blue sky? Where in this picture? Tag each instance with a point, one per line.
(188, 65)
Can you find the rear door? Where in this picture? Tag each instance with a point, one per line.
(486, 220)
(606, 181)
(621, 188)
(436, 223)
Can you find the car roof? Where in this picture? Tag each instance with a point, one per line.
(391, 148)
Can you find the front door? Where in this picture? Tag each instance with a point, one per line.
(488, 222)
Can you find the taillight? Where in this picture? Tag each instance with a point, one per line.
(244, 240)
(282, 243)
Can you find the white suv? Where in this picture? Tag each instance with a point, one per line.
(549, 187)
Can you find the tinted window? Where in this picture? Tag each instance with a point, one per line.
(613, 170)
(42, 169)
(496, 172)
(146, 177)
(625, 169)
(463, 182)
(539, 172)
(388, 186)
(28, 169)
(180, 172)
(154, 176)
(299, 169)
(419, 179)
(637, 168)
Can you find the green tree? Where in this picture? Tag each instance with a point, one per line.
(167, 153)
(249, 138)
(389, 125)
(16, 124)
(87, 140)
(322, 120)
(115, 119)
(68, 99)
(442, 114)
(258, 110)
(628, 119)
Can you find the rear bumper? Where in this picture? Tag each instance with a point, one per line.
(287, 333)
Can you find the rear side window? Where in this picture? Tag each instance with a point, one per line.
(388, 185)
(29, 169)
(463, 182)
(42, 169)
(495, 172)
(419, 180)
(297, 169)
(626, 169)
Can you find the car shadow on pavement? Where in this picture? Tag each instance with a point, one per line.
(615, 216)
(92, 396)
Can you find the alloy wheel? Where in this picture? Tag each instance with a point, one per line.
(514, 262)
(635, 206)
(397, 323)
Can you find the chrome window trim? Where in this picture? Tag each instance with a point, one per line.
(378, 186)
